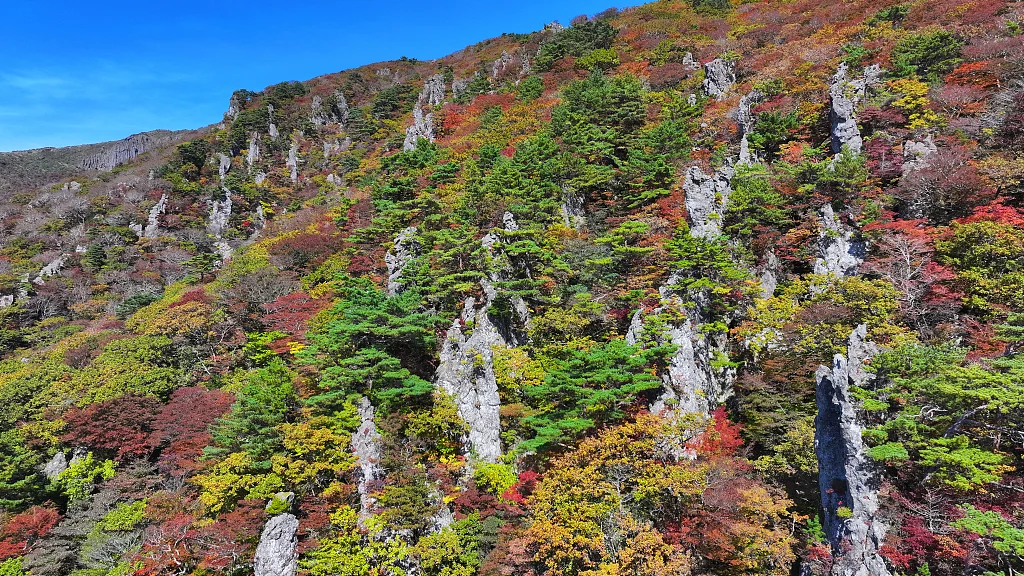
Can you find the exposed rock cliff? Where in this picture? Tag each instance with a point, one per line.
(746, 119)
(847, 477)
(152, 229)
(405, 249)
(917, 154)
(846, 95)
(121, 151)
(366, 445)
(277, 552)
(706, 197)
(719, 76)
(839, 250)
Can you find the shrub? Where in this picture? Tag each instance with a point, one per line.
(928, 54)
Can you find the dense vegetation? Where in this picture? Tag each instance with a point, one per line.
(216, 334)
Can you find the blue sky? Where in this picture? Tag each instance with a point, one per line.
(75, 72)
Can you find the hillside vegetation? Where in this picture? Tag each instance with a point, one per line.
(683, 288)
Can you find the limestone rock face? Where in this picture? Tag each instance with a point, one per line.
(293, 162)
(719, 76)
(122, 151)
(405, 249)
(366, 445)
(916, 154)
(217, 224)
(846, 475)
(690, 383)
(51, 268)
(253, 155)
(466, 368)
(433, 90)
(769, 274)
(746, 119)
(839, 251)
(277, 553)
(223, 165)
(318, 114)
(846, 95)
(271, 127)
(55, 466)
(514, 65)
(573, 213)
(422, 127)
(153, 221)
(466, 372)
(706, 197)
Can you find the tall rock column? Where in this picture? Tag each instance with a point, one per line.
(846, 476)
(277, 552)
(366, 445)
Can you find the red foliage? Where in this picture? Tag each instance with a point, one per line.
(977, 74)
(306, 250)
(720, 438)
(119, 428)
(179, 430)
(291, 313)
(24, 529)
(230, 542)
(197, 295)
(996, 211)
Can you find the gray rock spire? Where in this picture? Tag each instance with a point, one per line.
(839, 251)
(366, 445)
(405, 249)
(846, 476)
(706, 197)
(719, 76)
(277, 552)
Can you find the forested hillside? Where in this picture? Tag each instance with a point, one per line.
(683, 288)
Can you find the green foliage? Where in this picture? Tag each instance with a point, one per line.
(755, 205)
(372, 344)
(1005, 537)
(941, 403)
(927, 54)
(142, 365)
(19, 475)
(988, 257)
(125, 517)
(772, 130)
(586, 383)
(454, 551)
(494, 478)
(263, 402)
(278, 506)
(575, 41)
(133, 303)
(892, 14)
(347, 552)
(599, 59)
(77, 480)
(711, 7)
(12, 567)
(530, 88)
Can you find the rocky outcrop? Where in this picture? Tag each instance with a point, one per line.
(423, 124)
(234, 108)
(691, 383)
(746, 120)
(55, 466)
(405, 249)
(51, 268)
(846, 95)
(846, 476)
(466, 372)
(689, 62)
(917, 154)
(318, 114)
(366, 445)
(293, 162)
(511, 65)
(769, 274)
(466, 368)
(253, 155)
(277, 552)
(706, 197)
(573, 213)
(719, 76)
(223, 165)
(840, 252)
(121, 151)
(152, 229)
(422, 127)
(271, 127)
(217, 225)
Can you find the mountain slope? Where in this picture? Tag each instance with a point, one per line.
(687, 288)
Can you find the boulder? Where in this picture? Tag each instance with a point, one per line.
(277, 552)
(719, 76)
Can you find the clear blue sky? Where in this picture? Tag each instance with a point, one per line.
(75, 72)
